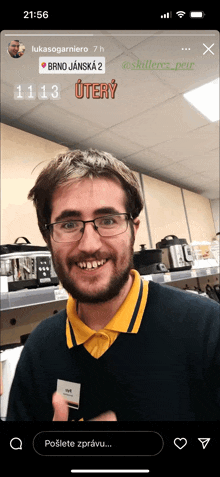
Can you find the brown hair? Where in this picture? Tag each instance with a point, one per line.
(76, 165)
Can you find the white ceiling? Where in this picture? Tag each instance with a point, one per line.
(149, 125)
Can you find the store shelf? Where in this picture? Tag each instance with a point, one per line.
(29, 297)
(182, 275)
(38, 296)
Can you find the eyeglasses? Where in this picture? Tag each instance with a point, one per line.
(72, 230)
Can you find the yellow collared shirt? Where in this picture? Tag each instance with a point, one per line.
(126, 320)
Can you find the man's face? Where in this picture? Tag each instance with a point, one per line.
(13, 48)
(88, 199)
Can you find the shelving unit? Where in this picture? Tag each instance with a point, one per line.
(183, 275)
(44, 295)
(30, 297)
(23, 310)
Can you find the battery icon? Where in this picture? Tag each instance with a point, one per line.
(196, 14)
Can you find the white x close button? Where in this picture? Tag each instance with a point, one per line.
(208, 48)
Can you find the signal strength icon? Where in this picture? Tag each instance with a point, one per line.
(181, 14)
(166, 15)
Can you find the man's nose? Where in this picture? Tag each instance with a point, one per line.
(91, 240)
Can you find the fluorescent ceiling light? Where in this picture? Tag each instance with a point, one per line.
(206, 99)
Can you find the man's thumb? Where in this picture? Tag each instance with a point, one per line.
(61, 411)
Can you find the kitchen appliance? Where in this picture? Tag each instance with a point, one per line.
(148, 261)
(26, 265)
(176, 253)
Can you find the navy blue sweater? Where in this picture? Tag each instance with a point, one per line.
(168, 371)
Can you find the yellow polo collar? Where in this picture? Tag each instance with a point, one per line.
(126, 320)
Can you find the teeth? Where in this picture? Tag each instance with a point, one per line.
(90, 265)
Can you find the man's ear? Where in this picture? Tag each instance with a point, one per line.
(47, 242)
(136, 224)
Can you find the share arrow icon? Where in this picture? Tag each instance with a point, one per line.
(204, 441)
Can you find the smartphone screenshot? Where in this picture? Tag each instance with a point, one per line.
(109, 273)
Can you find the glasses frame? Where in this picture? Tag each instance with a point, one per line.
(49, 227)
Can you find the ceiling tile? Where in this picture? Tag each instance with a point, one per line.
(66, 127)
(10, 108)
(211, 191)
(175, 171)
(170, 119)
(148, 160)
(112, 143)
(202, 163)
(199, 141)
(163, 48)
(136, 92)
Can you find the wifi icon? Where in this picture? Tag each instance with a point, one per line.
(181, 14)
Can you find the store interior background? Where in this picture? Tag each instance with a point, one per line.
(173, 149)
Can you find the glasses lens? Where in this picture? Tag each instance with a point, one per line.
(70, 231)
(111, 225)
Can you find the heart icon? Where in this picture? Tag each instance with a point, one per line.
(43, 65)
(180, 442)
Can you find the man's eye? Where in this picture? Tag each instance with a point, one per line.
(107, 221)
(70, 225)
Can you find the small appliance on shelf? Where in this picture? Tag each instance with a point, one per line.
(24, 265)
(176, 253)
(148, 261)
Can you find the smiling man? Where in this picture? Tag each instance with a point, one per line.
(123, 349)
(95, 258)
(13, 48)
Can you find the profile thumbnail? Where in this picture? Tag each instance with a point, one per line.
(16, 49)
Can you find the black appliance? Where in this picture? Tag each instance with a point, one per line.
(148, 261)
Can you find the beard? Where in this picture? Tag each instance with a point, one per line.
(118, 278)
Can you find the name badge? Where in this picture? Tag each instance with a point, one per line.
(70, 392)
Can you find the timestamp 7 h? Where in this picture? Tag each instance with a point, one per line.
(38, 14)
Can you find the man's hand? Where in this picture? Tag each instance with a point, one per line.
(106, 416)
(60, 406)
(61, 411)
